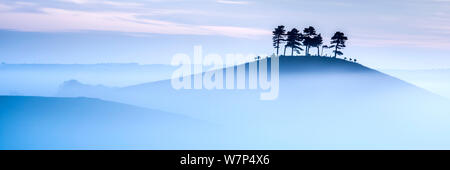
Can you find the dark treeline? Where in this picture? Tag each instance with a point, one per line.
(309, 38)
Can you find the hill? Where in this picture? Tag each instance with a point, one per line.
(323, 103)
(85, 123)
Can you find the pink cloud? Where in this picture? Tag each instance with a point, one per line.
(53, 19)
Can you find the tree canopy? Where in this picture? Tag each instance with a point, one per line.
(338, 41)
(278, 36)
(294, 39)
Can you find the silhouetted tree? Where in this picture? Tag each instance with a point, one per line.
(317, 41)
(338, 41)
(278, 37)
(293, 41)
(308, 35)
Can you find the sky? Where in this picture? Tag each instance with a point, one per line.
(383, 34)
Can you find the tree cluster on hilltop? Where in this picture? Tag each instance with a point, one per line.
(295, 40)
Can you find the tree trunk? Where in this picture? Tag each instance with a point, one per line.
(284, 54)
(318, 52)
(292, 52)
(307, 50)
(278, 45)
(335, 51)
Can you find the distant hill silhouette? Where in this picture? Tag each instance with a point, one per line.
(323, 103)
(44, 79)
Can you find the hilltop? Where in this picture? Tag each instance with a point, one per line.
(319, 64)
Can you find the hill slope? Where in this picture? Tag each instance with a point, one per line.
(84, 123)
(435, 80)
(323, 103)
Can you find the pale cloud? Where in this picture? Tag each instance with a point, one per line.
(104, 2)
(20, 3)
(399, 40)
(62, 20)
(4, 7)
(77, 1)
(233, 2)
(238, 31)
(437, 23)
(173, 12)
(441, 29)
